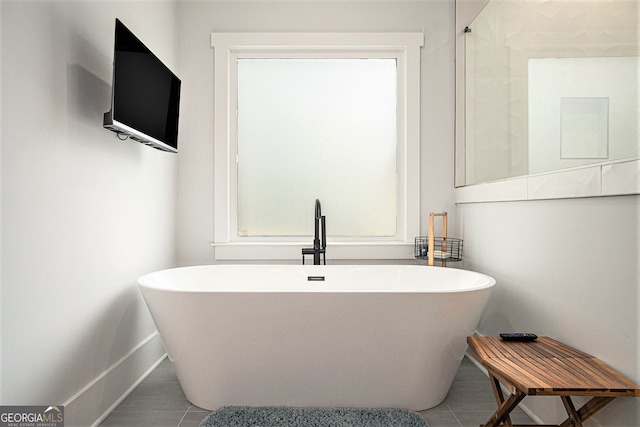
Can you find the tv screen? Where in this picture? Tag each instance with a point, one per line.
(145, 95)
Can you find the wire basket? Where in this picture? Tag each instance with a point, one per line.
(446, 249)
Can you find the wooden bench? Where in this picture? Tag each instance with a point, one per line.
(547, 368)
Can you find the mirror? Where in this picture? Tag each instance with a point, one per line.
(550, 85)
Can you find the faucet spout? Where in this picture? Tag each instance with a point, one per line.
(316, 238)
(319, 238)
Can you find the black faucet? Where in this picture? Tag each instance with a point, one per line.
(319, 240)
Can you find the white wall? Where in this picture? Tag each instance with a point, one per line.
(567, 269)
(198, 19)
(83, 214)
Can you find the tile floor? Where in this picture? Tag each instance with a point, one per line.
(159, 402)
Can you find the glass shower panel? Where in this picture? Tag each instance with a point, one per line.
(524, 60)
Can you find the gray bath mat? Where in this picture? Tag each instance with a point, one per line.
(282, 416)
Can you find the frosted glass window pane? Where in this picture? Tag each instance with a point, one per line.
(317, 128)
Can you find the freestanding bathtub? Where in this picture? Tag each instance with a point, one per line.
(328, 336)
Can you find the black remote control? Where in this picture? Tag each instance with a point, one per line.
(518, 336)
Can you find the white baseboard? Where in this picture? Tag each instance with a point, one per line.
(522, 406)
(94, 402)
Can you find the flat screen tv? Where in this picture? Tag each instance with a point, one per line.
(145, 98)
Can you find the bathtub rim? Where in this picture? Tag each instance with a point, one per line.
(488, 282)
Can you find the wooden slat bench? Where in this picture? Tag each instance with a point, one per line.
(547, 368)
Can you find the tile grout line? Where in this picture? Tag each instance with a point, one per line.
(183, 416)
(455, 416)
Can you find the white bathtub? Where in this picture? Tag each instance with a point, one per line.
(365, 336)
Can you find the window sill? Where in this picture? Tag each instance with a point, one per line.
(251, 251)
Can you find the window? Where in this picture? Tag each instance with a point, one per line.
(306, 116)
(316, 128)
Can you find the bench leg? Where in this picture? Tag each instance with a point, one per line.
(504, 409)
(505, 406)
(497, 392)
(585, 412)
(571, 410)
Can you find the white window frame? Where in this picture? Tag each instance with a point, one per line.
(228, 48)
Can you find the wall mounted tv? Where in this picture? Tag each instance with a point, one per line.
(145, 98)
